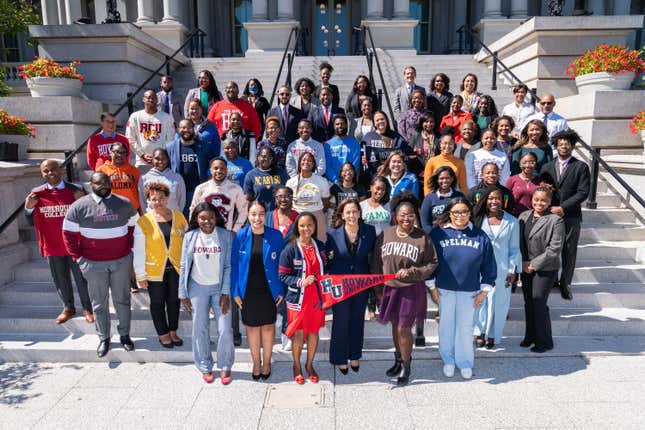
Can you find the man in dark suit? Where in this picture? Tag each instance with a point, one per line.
(289, 116)
(321, 117)
(572, 180)
(169, 100)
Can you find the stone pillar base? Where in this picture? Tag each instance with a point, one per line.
(392, 34)
(269, 36)
(172, 34)
(491, 29)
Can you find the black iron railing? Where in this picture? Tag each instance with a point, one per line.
(197, 34)
(596, 159)
(371, 57)
(286, 56)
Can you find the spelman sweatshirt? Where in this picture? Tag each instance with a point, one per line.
(466, 259)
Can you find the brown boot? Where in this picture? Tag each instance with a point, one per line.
(66, 314)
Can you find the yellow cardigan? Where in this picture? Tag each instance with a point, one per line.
(150, 250)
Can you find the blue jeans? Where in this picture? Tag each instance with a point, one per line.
(202, 297)
(456, 328)
(490, 317)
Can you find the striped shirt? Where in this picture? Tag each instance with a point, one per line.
(100, 229)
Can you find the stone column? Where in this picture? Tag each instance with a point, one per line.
(171, 12)
(50, 12)
(145, 11)
(285, 9)
(60, 8)
(493, 9)
(204, 22)
(598, 7)
(519, 8)
(72, 10)
(260, 10)
(375, 9)
(401, 8)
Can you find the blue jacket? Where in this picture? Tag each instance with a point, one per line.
(407, 182)
(340, 260)
(241, 260)
(205, 153)
(339, 151)
(225, 239)
(506, 246)
(209, 133)
(292, 271)
(466, 259)
(433, 206)
(269, 222)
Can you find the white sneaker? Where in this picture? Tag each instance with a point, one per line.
(286, 343)
(466, 373)
(449, 370)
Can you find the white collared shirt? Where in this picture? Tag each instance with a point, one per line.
(555, 123)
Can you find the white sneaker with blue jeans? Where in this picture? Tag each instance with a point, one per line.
(456, 328)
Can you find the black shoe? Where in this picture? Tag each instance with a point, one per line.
(420, 341)
(167, 345)
(396, 369)
(539, 349)
(343, 371)
(355, 368)
(265, 376)
(127, 343)
(404, 377)
(479, 341)
(256, 377)
(237, 339)
(556, 284)
(104, 347)
(565, 292)
(526, 343)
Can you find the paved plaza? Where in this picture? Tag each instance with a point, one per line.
(596, 392)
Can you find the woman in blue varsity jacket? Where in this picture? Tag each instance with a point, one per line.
(349, 246)
(255, 285)
(302, 263)
(465, 275)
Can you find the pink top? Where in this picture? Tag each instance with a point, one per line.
(522, 191)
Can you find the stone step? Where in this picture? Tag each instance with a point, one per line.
(592, 233)
(608, 215)
(609, 250)
(621, 273)
(42, 294)
(573, 321)
(82, 348)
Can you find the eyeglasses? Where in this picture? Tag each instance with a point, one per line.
(546, 103)
(406, 216)
(460, 213)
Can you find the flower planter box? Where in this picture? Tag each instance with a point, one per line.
(13, 147)
(604, 81)
(43, 86)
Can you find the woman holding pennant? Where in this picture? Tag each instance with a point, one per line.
(405, 250)
(349, 247)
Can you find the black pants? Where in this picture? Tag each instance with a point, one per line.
(569, 249)
(60, 268)
(347, 329)
(164, 302)
(536, 287)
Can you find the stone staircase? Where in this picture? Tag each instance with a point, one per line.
(607, 314)
(346, 69)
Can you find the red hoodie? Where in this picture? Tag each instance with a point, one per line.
(222, 110)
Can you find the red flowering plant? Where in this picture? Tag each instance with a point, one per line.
(49, 68)
(606, 58)
(638, 123)
(11, 124)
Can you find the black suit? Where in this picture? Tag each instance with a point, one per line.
(290, 128)
(335, 94)
(572, 188)
(322, 130)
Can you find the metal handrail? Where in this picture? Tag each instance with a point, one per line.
(594, 152)
(292, 56)
(284, 56)
(70, 156)
(378, 67)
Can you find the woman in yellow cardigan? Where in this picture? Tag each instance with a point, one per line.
(445, 158)
(158, 238)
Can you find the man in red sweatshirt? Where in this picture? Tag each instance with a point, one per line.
(98, 146)
(221, 112)
(46, 207)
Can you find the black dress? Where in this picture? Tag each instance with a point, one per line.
(258, 307)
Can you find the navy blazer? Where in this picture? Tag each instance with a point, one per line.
(340, 260)
(572, 187)
(323, 132)
(241, 260)
(289, 131)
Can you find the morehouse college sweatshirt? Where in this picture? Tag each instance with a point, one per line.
(466, 259)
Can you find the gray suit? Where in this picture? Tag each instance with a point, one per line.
(402, 99)
(544, 247)
(175, 105)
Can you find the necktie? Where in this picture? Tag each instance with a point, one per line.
(284, 115)
(563, 166)
(326, 115)
(166, 105)
(545, 120)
